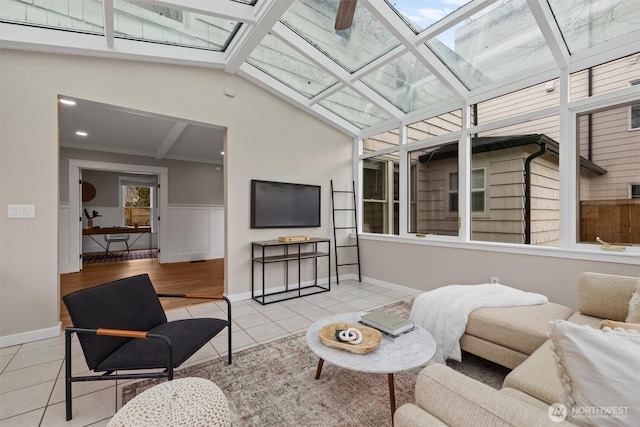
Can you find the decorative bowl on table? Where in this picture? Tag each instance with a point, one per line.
(370, 337)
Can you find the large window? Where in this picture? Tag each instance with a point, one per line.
(608, 207)
(519, 152)
(381, 194)
(137, 201)
(433, 205)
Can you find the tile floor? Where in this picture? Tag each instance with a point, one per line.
(32, 374)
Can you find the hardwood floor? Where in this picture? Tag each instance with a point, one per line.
(204, 277)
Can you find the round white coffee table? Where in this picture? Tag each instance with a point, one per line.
(407, 352)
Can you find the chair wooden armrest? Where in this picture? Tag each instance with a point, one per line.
(125, 333)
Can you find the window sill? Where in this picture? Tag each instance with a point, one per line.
(630, 256)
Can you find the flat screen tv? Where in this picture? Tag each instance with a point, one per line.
(284, 205)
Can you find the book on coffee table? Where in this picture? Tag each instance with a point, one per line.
(386, 322)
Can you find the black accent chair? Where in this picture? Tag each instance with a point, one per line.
(122, 326)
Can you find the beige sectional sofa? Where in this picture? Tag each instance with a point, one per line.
(445, 397)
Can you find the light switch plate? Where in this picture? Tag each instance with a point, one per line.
(21, 211)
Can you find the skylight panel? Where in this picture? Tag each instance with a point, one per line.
(587, 24)
(354, 109)
(501, 41)
(407, 84)
(83, 16)
(366, 40)
(286, 65)
(420, 14)
(154, 23)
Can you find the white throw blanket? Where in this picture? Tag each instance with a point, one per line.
(444, 312)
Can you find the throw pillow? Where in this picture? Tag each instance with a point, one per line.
(599, 374)
(622, 326)
(634, 307)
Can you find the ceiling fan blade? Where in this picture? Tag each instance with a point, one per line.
(344, 18)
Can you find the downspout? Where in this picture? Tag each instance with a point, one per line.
(527, 191)
(590, 116)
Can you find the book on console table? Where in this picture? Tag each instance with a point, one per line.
(387, 323)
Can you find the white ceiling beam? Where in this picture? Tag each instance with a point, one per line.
(546, 22)
(517, 82)
(453, 19)
(230, 10)
(605, 52)
(107, 14)
(379, 62)
(400, 30)
(284, 92)
(291, 38)
(65, 42)
(170, 139)
(249, 37)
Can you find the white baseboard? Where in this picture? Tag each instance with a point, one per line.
(66, 268)
(193, 257)
(25, 337)
(393, 286)
(247, 295)
(343, 278)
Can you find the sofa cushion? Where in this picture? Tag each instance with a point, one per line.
(410, 415)
(491, 351)
(458, 400)
(604, 295)
(599, 372)
(521, 328)
(537, 376)
(525, 398)
(582, 319)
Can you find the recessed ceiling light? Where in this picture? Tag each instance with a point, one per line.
(222, 152)
(67, 101)
(81, 133)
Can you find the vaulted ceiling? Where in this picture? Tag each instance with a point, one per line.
(398, 62)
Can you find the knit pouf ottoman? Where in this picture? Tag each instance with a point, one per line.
(181, 402)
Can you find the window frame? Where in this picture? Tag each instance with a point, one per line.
(128, 181)
(388, 201)
(566, 110)
(631, 107)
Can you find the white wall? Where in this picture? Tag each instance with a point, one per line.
(266, 139)
(426, 267)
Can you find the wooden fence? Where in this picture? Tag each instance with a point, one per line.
(140, 216)
(614, 221)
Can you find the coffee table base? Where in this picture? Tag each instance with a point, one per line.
(392, 387)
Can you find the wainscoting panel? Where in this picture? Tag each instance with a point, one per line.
(195, 233)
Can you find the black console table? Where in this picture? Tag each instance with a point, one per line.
(295, 251)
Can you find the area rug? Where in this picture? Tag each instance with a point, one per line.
(119, 256)
(274, 385)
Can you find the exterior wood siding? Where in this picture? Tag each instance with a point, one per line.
(503, 219)
(545, 201)
(432, 204)
(616, 149)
